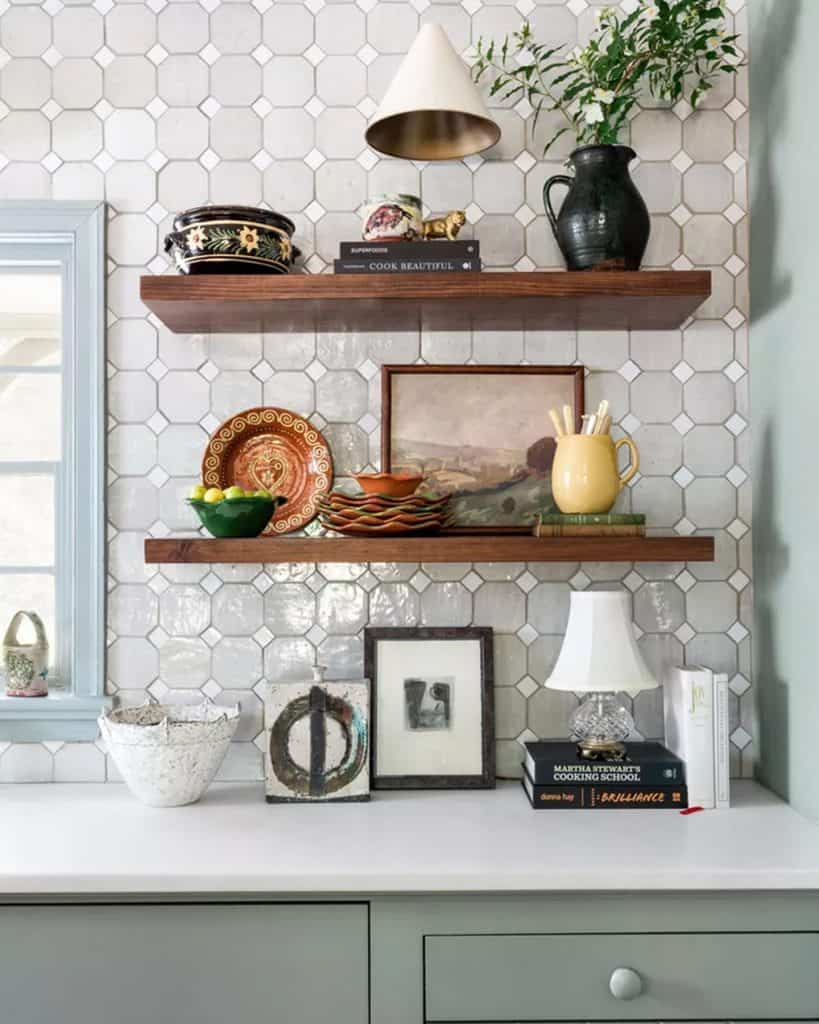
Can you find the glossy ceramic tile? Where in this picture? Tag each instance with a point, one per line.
(158, 106)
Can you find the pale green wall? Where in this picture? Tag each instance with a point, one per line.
(785, 390)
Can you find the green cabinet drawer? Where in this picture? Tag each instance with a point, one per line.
(184, 964)
(713, 976)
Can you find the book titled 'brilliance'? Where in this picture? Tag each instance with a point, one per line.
(596, 797)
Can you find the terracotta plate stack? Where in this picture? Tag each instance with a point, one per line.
(375, 514)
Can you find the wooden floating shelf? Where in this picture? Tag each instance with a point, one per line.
(551, 300)
(454, 548)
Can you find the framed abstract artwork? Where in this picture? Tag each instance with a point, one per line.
(432, 708)
(479, 433)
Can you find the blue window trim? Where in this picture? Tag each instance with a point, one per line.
(75, 231)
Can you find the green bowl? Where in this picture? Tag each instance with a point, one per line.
(236, 517)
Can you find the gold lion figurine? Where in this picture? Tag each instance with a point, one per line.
(444, 227)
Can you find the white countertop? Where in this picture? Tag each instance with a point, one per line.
(98, 839)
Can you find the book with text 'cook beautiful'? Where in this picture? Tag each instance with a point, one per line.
(557, 762)
(386, 265)
(606, 797)
(457, 250)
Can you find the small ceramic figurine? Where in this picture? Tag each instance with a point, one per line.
(445, 227)
(26, 665)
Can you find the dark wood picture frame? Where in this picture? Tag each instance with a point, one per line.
(388, 372)
(483, 634)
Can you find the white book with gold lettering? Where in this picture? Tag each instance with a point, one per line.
(689, 729)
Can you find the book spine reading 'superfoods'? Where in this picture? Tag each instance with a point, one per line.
(594, 797)
(463, 249)
(404, 266)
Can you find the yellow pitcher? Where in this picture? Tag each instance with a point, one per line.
(585, 478)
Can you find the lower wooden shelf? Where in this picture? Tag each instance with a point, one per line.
(452, 548)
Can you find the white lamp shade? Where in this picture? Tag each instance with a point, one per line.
(599, 652)
(432, 109)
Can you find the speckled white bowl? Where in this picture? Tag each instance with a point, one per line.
(168, 754)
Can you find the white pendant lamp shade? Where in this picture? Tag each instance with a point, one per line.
(432, 109)
(599, 652)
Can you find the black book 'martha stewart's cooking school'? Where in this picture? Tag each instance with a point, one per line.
(557, 763)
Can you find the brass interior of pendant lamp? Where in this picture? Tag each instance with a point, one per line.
(432, 134)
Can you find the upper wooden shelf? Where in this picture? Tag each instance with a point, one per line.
(449, 548)
(552, 300)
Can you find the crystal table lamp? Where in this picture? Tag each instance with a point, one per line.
(600, 659)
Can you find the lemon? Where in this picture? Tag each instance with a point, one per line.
(261, 494)
(213, 495)
(234, 492)
(198, 493)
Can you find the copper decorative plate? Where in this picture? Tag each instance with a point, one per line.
(274, 450)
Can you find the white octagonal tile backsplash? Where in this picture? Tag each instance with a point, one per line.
(156, 107)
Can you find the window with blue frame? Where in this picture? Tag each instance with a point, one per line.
(52, 456)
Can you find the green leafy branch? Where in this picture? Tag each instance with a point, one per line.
(674, 48)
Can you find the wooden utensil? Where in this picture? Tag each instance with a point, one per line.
(557, 424)
(568, 419)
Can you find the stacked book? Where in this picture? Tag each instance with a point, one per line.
(433, 257)
(697, 729)
(556, 776)
(608, 524)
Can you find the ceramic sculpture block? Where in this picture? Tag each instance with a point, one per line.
(317, 742)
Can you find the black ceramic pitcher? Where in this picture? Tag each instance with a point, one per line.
(603, 223)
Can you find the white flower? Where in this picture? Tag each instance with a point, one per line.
(604, 96)
(651, 12)
(593, 113)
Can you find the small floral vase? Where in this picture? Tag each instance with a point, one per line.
(392, 218)
(26, 665)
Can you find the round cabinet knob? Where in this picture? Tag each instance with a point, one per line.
(625, 983)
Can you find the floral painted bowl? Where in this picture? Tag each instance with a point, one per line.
(231, 240)
(236, 517)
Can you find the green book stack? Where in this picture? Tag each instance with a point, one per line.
(606, 524)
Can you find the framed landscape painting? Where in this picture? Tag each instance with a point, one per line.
(479, 433)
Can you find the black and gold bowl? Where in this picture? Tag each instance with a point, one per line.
(231, 240)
